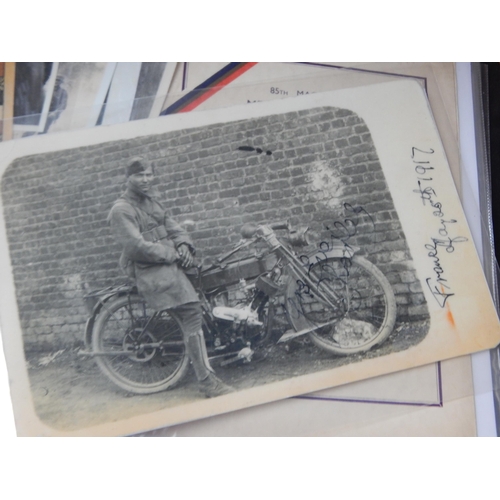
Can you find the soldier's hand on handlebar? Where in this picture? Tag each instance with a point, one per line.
(185, 257)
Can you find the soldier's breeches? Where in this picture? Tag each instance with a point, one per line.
(189, 317)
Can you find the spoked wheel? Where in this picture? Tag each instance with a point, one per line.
(139, 350)
(362, 308)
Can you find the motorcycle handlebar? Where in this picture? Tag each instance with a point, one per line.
(280, 225)
(226, 255)
(249, 230)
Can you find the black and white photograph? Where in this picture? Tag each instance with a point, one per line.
(54, 97)
(183, 267)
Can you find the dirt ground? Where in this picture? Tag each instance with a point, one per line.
(70, 392)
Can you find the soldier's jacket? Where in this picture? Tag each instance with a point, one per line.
(149, 239)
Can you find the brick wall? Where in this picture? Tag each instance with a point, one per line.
(323, 171)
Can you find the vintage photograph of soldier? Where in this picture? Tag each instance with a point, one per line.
(155, 250)
(181, 268)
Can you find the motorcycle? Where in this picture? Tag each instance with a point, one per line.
(342, 302)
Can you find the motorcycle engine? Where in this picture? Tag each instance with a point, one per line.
(237, 315)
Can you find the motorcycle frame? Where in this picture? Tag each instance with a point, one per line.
(267, 234)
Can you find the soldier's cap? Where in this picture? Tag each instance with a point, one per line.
(135, 166)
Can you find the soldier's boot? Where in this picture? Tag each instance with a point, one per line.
(210, 385)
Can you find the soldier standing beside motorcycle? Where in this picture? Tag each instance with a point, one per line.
(155, 252)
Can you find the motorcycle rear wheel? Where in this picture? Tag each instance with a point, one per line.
(138, 359)
(363, 314)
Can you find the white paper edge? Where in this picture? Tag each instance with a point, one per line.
(7, 424)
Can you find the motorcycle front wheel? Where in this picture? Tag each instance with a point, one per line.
(140, 352)
(361, 308)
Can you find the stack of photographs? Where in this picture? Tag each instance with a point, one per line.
(340, 287)
(55, 97)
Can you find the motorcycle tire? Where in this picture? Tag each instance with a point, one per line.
(157, 359)
(363, 310)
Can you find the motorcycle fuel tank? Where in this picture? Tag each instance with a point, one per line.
(233, 272)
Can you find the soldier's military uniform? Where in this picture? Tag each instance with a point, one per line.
(150, 240)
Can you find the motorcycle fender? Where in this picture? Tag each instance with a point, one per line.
(89, 326)
(101, 299)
